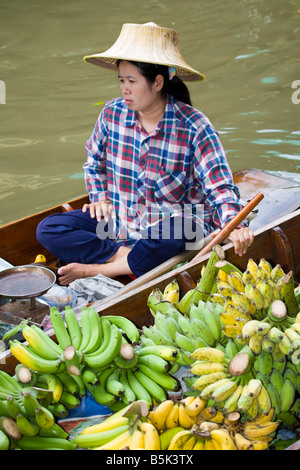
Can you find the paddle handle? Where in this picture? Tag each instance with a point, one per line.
(230, 226)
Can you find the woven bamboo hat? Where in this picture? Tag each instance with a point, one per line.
(147, 43)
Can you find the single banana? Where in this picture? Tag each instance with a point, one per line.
(208, 354)
(287, 395)
(221, 393)
(60, 330)
(44, 417)
(154, 362)
(27, 427)
(126, 325)
(73, 327)
(106, 425)
(54, 384)
(31, 360)
(137, 441)
(172, 419)
(242, 443)
(151, 436)
(256, 431)
(207, 367)
(236, 281)
(195, 406)
(166, 352)
(95, 334)
(113, 384)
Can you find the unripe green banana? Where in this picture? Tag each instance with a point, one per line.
(104, 358)
(287, 395)
(126, 325)
(155, 362)
(60, 329)
(26, 427)
(140, 392)
(44, 418)
(113, 384)
(95, 332)
(45, 443)
(277, 380)
(157, 392)
(274, 397)
(164, 379)
(73, 325)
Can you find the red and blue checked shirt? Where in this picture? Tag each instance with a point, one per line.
(181, 162)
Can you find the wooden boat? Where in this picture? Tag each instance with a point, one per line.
(276, 230)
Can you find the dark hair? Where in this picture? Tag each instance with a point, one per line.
(174, 87)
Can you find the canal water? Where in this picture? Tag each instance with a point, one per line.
(50, 98)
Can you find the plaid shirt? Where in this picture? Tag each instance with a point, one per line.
(181, 162)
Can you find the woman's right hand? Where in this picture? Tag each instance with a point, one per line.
(99, 209)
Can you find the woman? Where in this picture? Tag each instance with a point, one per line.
(156, 172)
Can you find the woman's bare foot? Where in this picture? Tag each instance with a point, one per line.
(71, 272)
(116, 266)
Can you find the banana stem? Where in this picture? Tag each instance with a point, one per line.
(288, 292)
(72, 360)
(241, 362)
(227, 267)
(205, 285)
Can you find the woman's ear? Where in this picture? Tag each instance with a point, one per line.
(159, 82)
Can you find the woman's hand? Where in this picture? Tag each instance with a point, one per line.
(241, 238)
(99, 209)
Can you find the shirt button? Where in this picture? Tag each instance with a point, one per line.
(143, 162)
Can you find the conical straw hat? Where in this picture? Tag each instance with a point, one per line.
(146, 43)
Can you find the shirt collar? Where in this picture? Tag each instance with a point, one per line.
(168, 123)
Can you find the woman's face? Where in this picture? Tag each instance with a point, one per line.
(139, 95)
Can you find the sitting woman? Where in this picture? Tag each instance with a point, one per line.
(156, 173)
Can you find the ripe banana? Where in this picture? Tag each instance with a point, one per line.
(208, 354)
(173, 417)
(159, 414)
(222, 440)
(151, 436)
(207, 367)
(184, 419)
(54, 384)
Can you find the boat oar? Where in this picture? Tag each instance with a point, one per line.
(229, 227)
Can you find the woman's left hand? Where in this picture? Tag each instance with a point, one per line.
(241, 238)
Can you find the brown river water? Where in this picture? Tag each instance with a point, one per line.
(50, 98)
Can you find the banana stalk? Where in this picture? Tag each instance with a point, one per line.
(206, 283)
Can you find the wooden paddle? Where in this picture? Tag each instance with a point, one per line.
(212, 239)
(230, 226)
